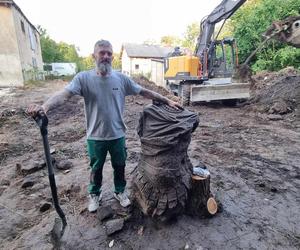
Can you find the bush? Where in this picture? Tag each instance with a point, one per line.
(251, 21)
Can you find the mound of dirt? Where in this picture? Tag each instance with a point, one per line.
(277, 92)
(144, 82)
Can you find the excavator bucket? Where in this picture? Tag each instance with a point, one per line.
(286, 31)
(294, 38)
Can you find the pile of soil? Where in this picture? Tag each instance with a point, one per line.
(277, 92)
(144, 82)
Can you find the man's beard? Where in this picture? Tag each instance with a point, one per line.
(103, 67)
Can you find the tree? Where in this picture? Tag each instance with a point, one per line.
(58, 52)
(252, 20)
(191, 35)
(68, 52)
(88, 62)
(171, 41)
(116, 63)
(49, 47)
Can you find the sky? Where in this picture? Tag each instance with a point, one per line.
(82, 23)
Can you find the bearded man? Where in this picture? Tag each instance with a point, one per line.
(104, 91)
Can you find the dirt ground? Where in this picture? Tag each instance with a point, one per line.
(251, 150)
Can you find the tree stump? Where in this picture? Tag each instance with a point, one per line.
(201, 202)
(163, 176)
(161, 183)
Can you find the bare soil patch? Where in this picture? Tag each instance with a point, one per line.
(253, 158)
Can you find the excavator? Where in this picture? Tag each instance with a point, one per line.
(208, 74)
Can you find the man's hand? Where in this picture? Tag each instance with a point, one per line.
(175, 105)
(34, 109)
(157, 97)
(56, 100)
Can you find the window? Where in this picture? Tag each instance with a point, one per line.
(31, 39)
(47, 67)
(34, 64)
(22, 27)
(137, 66)
(36, 40)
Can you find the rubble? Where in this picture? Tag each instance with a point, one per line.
(113, 226)
(104, 212)
(64, 165)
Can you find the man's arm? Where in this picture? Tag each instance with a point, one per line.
(157, 97)
(53, 102)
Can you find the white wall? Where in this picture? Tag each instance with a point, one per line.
(135, 66)
(145, 66)
(141, 66)
(125, 63)
(10, 64)
(18, 57)
(29, 43)
(157, 73)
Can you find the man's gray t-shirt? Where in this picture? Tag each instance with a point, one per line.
(104, 99)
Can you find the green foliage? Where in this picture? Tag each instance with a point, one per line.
(170, 41)
(252, 20)
(58, 52)
(68, 52)
(226, 31)
(63, 52)
(275, 60)
(88, 62)
(116, 63)
(50, 52)
(190, 36)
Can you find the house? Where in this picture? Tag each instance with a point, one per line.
(143, 59)
(20, 50)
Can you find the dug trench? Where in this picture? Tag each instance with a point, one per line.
(251, 151)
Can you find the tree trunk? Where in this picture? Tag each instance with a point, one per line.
(161, 183)
(200, 202)
(162, 180)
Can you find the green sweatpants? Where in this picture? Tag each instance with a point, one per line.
(97, 151)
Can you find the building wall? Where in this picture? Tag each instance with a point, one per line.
(157, 73)
(154, 70)
(29, 46)
(126, 64)
(10, 65)
(141, 66)
(135, 66)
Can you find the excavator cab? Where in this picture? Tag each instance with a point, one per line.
(222, 58)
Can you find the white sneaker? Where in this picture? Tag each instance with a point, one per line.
(94, 202)
(123, 199)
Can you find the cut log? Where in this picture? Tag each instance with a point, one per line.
(200, 202)
(212, 206)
